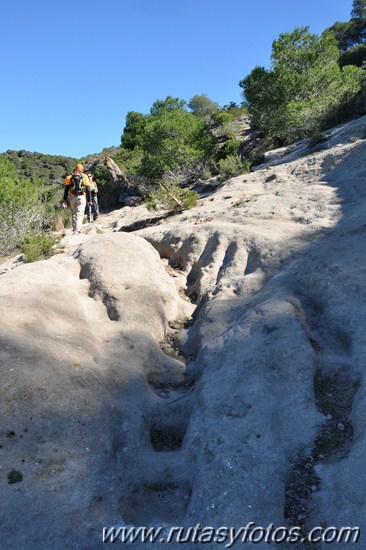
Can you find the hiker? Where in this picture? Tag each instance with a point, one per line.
(94, 207)
(77, 190)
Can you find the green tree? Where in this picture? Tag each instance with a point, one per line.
(359, 10)
(134, 129)
(174, 139)
(358, 21)
(344, 33)
(203, 106)
(265, 99)
(353, 32)
(167, 105)
(304, 88)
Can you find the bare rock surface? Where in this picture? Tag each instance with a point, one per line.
(205, 368)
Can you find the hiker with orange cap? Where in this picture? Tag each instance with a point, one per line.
(77, 190)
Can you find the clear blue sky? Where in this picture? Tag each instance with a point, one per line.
(72, 69)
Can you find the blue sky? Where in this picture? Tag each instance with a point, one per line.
(71, 70)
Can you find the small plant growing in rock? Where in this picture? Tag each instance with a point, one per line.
(14, 476)
(37, 247)
(257, 158)
(233, 166)
(170, 195)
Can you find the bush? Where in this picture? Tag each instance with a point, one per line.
(23, 209)
(223, 117)
(170, 195)
(18, 220)
(206, 173)
(37, 247)
(228, 148)
(233, 166)
(258, 158)
(128, 160)
(14, 476)
(107, 195)
(229, 130)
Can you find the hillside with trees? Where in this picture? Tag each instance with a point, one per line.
(195, 376)
(314, 82)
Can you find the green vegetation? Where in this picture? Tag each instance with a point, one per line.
(171, 196)
(174, 140)
(14, 476)
(353, 32)
(37, 247)
(163, 153)
(305, 91)
(47, 169)
(169, 139)
(25, 214)
(203, 106)
(351, 35)
(313, 83)
(232, 166)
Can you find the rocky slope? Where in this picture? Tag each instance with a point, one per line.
(208, 368)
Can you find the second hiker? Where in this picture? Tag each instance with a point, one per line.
(93, 209)
(77, 190)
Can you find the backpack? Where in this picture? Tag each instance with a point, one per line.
(77, 185)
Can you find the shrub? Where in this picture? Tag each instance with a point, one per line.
(107, 194)
(14, 476)
(37, 247)
(128, 160)
(229, 130)
(258, 158)
(23, 209)
(206, 173)
(232, 166)
(170, 195)
(223, 117)
(228, 148)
